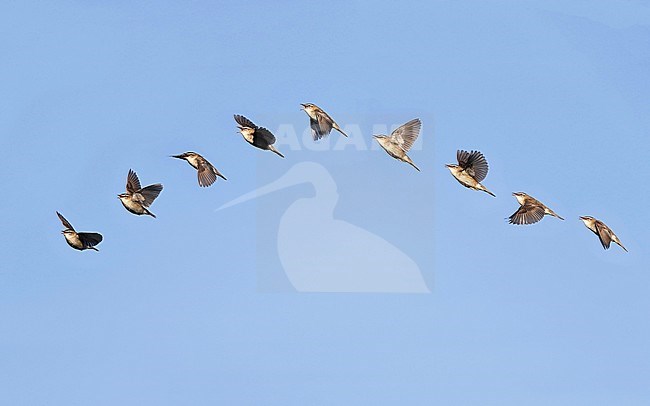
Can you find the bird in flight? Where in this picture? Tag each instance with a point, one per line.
(258, 137)
(79, 241)
(400, 141)
(604, 233)
(472, 168)
(137, 199)
(321, 123)
(206, 172)
(530, 210)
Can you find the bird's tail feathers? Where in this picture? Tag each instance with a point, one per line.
(408, 160)
(272, 148)
(488, 192)
(617, 241)
(337, 128)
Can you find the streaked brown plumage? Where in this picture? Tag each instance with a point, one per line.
(604, 233)
(472, 168)
(79, 241)
(530, 210)
(137, 199)
(400, 141)
(321, 123)
(206, 172)
(258, 137)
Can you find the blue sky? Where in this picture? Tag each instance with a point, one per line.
(193, 307)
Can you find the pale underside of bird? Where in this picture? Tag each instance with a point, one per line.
(206, 172)
(604, 233)
(79, 241)
(400, 141)
(258, 137)
(470, 171)
(530, 210)
(137, 199)
(320, 122)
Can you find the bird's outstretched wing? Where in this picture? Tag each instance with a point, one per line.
(206, 174)
(244, 122)
(132, 182)
(65, 222)
(321, 126)
(604, 234)
(89, 240)
(265, 134)
(405, 135)
(527, 214)
(150, 193)
(474, 164)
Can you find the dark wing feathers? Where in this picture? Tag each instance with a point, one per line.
(322, 126)
(65, 222)
(474, 164)
(265, 134)
(527, 214)
(90, 239)
(462, 157)
(244, 122)
(132, 182)
(316, 131)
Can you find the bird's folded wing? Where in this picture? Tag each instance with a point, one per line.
(405, 135)
(316, 132)
(323, 124)
(604, 234)
(265, 134)
(65, 222)
(150, 193)
(132, 182)
(527, 214)
(90, 239)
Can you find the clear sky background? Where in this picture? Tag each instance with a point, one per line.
(181, 309)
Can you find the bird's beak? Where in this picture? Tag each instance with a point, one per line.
(375, 136)
(175, 156)
(583, 218)
(448, 165)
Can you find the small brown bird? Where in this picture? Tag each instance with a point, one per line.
(79, 241)
(472, 168)
(207, 173)
(137, 199)
(531, 210)
(604, 233)
(321, 123)
(258, 137)
(400, 141)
